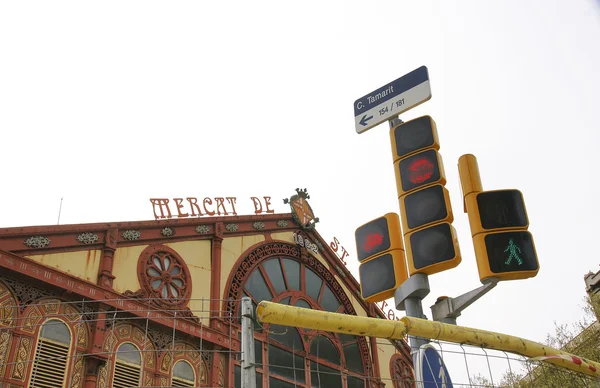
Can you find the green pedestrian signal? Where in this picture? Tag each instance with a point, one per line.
(512, 248)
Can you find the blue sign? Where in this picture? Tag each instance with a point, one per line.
(392, 99)
(431, 371)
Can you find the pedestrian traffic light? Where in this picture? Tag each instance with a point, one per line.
(510, 255)
(378, 236)
(426, 212)
(504, 249)
(382, 275)
(380, 252)
(498, 209)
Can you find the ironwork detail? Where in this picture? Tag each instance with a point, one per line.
(26, 293)
(131, 234)
(37, 242)
(282, 223)
(232, 227)
(87, 238)
(258, 225)
(202, 229)
(166, 232)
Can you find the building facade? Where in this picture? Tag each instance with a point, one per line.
(156, 304)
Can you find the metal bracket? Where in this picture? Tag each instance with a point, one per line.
(448, 309)
(416, 286)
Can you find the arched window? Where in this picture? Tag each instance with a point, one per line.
(183, 375)
(51, 355)
(127, 366)
(294, 357)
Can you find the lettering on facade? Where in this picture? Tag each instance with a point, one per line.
(194, 207)
(306, 243)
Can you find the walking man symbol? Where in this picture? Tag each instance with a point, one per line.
(512, 249)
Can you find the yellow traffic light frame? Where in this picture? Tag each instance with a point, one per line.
(436, 267)
(474, 213)
(393, 230)
(400, 275)
(440, 166)
(435, 145)
(449, 215)
(483, 261)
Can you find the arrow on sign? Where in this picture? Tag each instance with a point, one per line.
(364, 120)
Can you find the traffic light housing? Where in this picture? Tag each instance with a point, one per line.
(504, 249)
(380, 252)
(425, 208)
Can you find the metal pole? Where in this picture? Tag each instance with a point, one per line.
(247, 356)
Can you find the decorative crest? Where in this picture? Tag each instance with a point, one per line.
(301, 210)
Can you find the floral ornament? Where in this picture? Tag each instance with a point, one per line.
(166, 277)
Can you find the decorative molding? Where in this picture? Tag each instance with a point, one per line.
(258, 225)
(166, 232)
(161, 339)
(340, 271)
(282, 223)
(26, 293)
(203, 229)
(221, 371)
(5, 337)
(131, 234)
(22, 359)
(87, 238)
(37, 242)
(232, 227)
(76, 379)
(102, 376)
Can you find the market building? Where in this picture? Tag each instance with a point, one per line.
(156, 303)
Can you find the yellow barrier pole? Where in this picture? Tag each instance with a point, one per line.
(269, 312)
(280, 314)
(498, 341)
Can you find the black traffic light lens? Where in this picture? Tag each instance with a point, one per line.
(502, 209)
(414, 135)
(372, 238)
(425, 206)
(511, 251)
(377, 275)
(419, 170)
(432, 245)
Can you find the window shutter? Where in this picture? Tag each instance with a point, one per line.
(126, 375)
(50, 364)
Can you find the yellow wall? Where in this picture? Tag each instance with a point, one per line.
(125, 268)
(196, 255)
(385, 351)
(231, 250)
(82, 264)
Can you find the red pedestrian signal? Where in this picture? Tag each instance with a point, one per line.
(381, 255)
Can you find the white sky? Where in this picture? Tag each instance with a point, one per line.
(108, 104)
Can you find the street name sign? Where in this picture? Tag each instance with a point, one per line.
(392, 99)
(430, 370)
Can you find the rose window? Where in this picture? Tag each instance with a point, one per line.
(164, 275)
(402, 373)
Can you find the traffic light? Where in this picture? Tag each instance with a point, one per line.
(380, 252)
(504, 249)
(426, 212)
